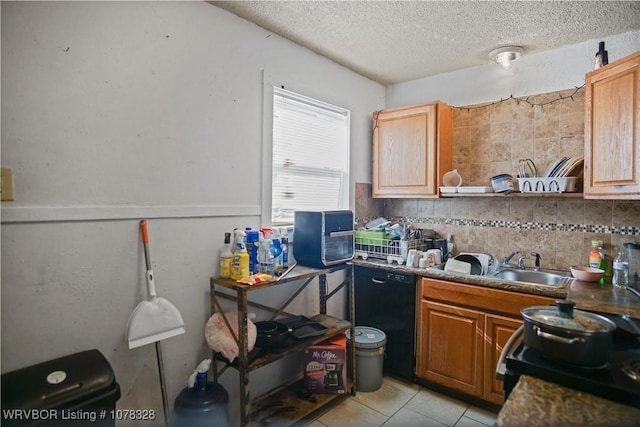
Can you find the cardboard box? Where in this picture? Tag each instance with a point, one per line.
(325, 366)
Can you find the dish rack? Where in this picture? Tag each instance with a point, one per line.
(377, 244)
(548, 185)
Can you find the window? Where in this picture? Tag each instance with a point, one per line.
(310, 156)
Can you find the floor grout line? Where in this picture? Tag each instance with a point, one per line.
(411, 392)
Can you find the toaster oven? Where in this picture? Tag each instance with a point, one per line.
(323, 238)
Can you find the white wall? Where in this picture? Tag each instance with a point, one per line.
(115, 111)
(559, 69)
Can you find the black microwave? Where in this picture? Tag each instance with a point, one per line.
(323, 238)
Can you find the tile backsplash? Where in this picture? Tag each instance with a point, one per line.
(489, 141)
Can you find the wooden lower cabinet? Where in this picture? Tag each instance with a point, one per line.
(461, 332)
(450, 346)
(498, 330)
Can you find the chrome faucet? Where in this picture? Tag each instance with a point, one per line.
(506, 259)
(521, 265)
(536, 255)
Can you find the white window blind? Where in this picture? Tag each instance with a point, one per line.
(310, 169)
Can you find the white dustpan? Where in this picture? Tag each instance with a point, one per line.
(155, 319)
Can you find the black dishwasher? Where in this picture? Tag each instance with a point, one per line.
(386, 300)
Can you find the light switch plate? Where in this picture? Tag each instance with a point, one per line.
(6, 187)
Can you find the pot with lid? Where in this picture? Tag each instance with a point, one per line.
(566, 335)
(272, 334)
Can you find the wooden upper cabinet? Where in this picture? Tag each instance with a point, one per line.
(412, 149)
(612, 131)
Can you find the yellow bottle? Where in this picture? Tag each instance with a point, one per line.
(240, 258)
(226, 256)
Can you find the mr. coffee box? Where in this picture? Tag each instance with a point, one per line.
(325, 366)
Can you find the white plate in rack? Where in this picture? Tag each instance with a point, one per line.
(570, 166)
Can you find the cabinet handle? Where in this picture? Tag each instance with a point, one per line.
(342, 233)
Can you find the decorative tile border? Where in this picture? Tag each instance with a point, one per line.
(516, 225)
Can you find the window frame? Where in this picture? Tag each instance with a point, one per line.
(267, 141)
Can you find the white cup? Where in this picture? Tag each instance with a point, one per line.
(404, 250)
(434, 257)
(452, 179)
(423, 263)
(417, 257)
(411, 257)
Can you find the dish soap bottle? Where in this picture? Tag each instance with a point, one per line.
(596, 257)
(620, 270)
(240, 258)
(226, 257)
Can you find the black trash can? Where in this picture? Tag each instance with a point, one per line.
(77, 390)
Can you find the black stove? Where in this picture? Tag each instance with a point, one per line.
(617, 380)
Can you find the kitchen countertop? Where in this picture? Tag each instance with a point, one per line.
(587, 296)
(535, 402)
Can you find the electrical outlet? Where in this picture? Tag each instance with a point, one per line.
(6, 185)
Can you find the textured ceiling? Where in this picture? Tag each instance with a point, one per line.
(397, 41)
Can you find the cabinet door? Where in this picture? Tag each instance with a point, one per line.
(449, 349)
(411, 147)
(498, 330)
(612, 131)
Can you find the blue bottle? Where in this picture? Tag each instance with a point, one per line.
(285, 252)
(204, 404)
(252, 243)
(276, 250)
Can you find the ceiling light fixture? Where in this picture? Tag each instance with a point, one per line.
(506, 55)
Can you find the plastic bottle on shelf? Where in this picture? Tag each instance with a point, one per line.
(240, 259)
(266, 259)
(226, 257)
(620, 270)
(276, 250)
(285, 252)
(252, 241)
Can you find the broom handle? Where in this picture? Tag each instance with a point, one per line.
(147, 259)
(145, 243)
(163, 387)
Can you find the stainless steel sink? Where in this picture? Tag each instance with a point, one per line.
(545, 278)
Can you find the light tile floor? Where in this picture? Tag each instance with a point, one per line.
(402, 404)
